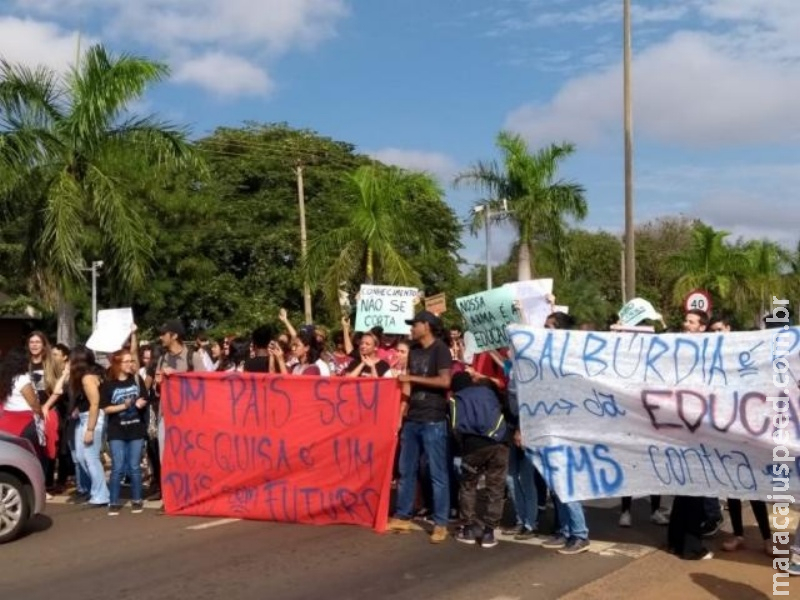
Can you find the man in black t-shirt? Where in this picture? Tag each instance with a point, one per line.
(425, 425)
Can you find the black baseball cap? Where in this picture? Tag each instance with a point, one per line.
(173, 326)
(425, 316)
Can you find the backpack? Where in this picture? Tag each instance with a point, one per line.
(476, 410)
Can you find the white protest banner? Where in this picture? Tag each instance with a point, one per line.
(486, 315)
(385, 306)
(113, 328)
(628, 414)
(534, 301)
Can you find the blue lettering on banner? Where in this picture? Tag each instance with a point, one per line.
(653, 356)
(259, 402)
(189, 489)
(603, 405)
(583, 465)
(592, 357)
(526, 369)
(289, 503)
(350, 457)
(192, 392)
(626, 352)
(356, 401)
(548, 409)
(681, 466)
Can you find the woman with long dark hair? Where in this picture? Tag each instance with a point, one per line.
(306, 351)
(84, 385)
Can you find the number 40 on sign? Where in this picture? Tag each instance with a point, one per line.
(697, 300)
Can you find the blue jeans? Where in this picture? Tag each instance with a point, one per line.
(520, 480)
(572, 520)
(432, 439)
(83, 482)
(88, 457)
(126, 457)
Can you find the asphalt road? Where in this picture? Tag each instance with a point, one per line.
(76, 553)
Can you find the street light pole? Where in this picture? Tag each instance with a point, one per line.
(96, 266)
(301, 199)
(488, 246)
(630, 252)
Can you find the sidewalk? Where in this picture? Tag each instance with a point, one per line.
(743, 575)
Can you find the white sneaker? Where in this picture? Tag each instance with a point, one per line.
(625, 519)
(659, 518)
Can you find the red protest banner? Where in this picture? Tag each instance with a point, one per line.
(313, 450)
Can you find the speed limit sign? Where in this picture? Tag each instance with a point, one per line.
(697, 300)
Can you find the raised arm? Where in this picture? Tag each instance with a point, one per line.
(284, 318)
(348, 341)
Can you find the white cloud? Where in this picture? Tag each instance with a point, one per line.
(225, 74)
(687, 90)
(38, 43)
(244, 34)
(436, 163)
(752, 200)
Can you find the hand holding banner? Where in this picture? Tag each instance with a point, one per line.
(113, 328)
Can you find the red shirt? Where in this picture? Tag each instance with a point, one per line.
(484, 364)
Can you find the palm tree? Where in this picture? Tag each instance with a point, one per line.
(538, 201)
(380, 221)
(65, 138)
(767, 269)
(711, 264)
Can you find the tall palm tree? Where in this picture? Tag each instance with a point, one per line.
(767, 269)
(380, 221)
(66, 138)
(711, 264)
(538, 200)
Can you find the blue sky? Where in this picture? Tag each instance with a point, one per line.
(427, 84)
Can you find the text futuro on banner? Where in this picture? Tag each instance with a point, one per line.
(294, 449)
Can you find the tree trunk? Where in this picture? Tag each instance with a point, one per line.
(370, 267)
(66, 322)
(524, 262)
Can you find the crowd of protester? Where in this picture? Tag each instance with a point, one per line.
(79, 415)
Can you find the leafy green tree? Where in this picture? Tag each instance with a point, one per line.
(714, 265)
(538, 201)
(382, 219)
(67, 138)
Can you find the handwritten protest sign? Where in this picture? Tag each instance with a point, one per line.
(626, 414)
(294, 449)
(437, 304)
(385, 306)
(113, 328)
(486, 315)
(534, 299)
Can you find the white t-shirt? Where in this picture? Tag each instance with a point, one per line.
(16, 401)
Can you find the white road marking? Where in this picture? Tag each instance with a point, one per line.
(595, 547)
(211, 524)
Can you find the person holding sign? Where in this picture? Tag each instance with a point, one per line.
(425, 425)
(369, 365)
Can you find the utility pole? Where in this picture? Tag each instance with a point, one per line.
(301, 199)
(630, 252)
(488, 218)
